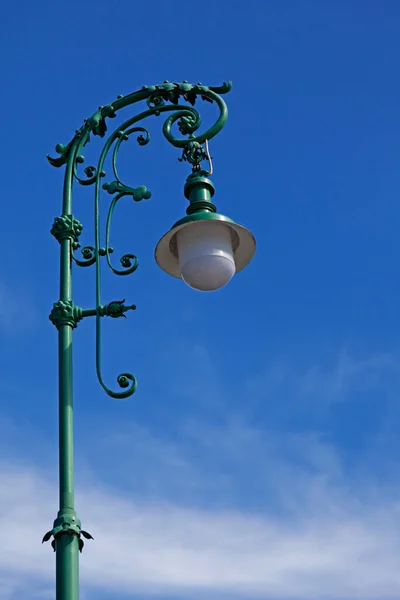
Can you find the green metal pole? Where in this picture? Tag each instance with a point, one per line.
(66, 459)
(65, 315)
(66, 529)
(67, 548)
(67, 568)
(67, 541)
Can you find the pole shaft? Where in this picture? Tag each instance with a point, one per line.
(67, 544)
(66, 448)
(67, 568)
(66, 458)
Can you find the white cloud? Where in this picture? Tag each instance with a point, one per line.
(330, 544)
(168, 549)
(229, 511)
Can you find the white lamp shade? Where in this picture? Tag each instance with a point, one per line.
(205, 252)
(205, 255)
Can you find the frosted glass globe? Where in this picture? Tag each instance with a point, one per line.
(205, 255)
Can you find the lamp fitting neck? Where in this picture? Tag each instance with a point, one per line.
(199, 190)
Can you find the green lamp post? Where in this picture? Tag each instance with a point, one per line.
(204, 249)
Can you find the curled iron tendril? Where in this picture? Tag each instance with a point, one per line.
(129, 262)
(89, 255)
(143, 139)
(90, 172)
(126, 381)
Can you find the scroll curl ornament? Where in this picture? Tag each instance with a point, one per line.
(88, 256)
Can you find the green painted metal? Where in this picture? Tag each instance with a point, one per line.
(67, 568)
(202, 215)
(199, 190)
(67, 534)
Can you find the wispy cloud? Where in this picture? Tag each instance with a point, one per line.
(333, 384)
(168, 549)
(329, 542)
(230, 510)
(284, 391)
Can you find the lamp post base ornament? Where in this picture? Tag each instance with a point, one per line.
(67, 524)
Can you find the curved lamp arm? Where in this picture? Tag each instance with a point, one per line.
(159, 99)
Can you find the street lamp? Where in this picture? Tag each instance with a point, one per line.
(205, 249)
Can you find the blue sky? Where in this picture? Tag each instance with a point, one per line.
(258, 458)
